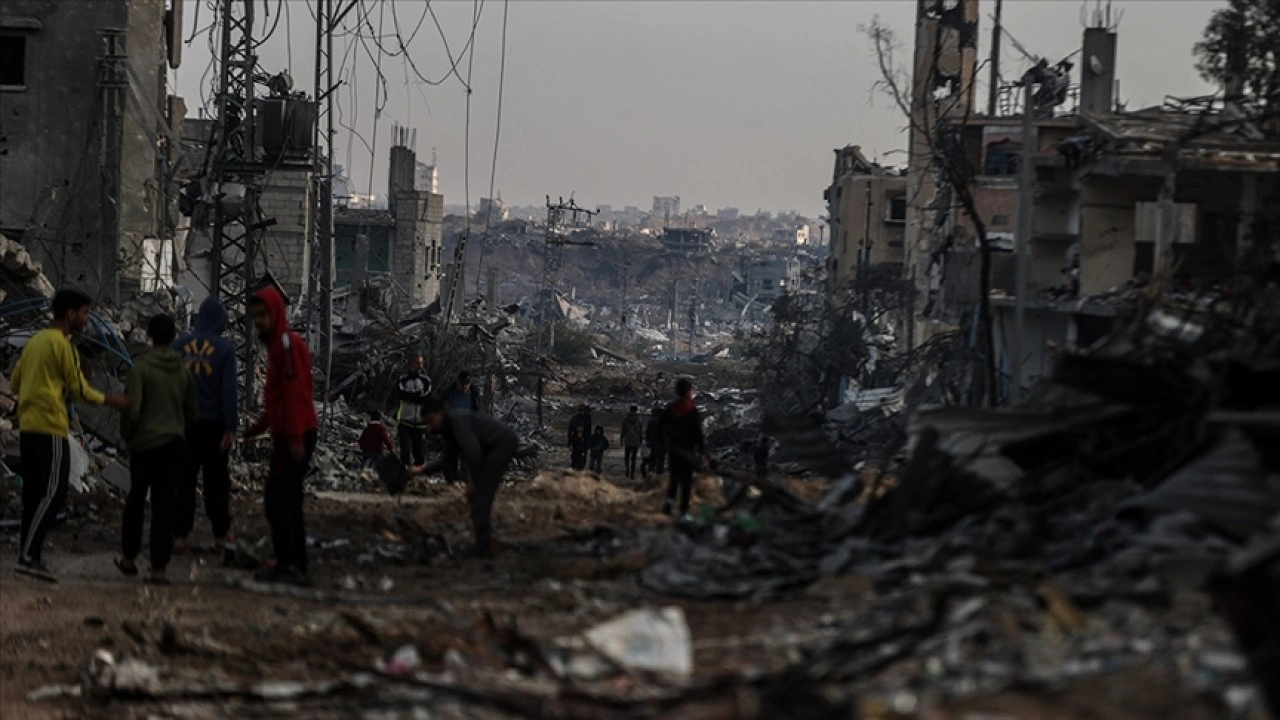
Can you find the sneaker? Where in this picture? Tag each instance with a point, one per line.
(35, 569)
(666, 507)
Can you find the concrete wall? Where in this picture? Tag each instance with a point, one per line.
(417, 245)
(50, 194)
(886, 237)
(286, 246)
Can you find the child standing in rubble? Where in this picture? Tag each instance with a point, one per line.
(599, 443)
(289, 416)
(47, 372)
(162, 409)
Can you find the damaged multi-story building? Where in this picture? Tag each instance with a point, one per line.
(867, 212)
(1115, 195)
(89, 138)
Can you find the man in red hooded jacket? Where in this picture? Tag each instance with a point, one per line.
(289, 415)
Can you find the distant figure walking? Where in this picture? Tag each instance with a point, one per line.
(599, 443)
(579, 446)
(682, 427)
(632, 437)
(656, 442)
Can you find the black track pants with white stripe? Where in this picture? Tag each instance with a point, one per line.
(46, 468)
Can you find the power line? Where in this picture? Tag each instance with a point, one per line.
(497, 135)
(476, 8)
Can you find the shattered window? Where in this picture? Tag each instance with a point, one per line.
(13, 60)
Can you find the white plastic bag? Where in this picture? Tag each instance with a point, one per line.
(651, 639)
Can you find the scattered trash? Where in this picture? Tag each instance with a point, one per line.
(650, 640)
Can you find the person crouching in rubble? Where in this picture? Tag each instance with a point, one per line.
(599, 443)
(162, 411)
(579, 447)
(289, 416)
(374, 440)
(682, 427)
(656, 443)
(485, 447)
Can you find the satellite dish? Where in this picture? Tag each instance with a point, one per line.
(1096, 66)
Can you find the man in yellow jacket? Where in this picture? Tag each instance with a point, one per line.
(47, 372)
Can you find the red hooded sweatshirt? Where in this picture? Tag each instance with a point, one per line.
(290, 411)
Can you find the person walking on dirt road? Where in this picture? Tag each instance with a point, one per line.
(656, 442)
(289, 416)
(162, 410)
(47, 371)
(632, 436)
(598, 444)
(211, 359)
(485, 447)
(682, 427)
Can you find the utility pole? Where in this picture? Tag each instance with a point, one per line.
(230, 182)
(322, 262)
(561, 217)
(994, 90)
(112, 80)
(1026, 195)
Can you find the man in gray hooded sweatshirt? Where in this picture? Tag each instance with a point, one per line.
(211, 358)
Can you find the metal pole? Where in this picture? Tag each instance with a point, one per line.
(1026, 194)
(994, 89)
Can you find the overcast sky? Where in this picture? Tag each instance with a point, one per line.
(722, 103)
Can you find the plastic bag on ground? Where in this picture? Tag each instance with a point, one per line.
(652, 639)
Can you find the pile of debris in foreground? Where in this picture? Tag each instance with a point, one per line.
(1083, 530)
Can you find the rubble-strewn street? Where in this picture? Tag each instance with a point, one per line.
(981, 425)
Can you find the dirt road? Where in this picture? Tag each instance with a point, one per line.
(571, 549)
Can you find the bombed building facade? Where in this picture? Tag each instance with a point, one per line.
(88, 136)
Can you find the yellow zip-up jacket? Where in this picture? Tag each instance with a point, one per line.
(48, 369)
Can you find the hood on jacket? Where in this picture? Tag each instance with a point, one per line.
(163, 359)
(212, 317)
(274, 301)
(681, 408)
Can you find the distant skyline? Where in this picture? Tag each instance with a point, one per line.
(726, 104)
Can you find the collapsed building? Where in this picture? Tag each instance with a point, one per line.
(1115, 196)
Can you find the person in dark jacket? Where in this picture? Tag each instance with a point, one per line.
(211, 359)
(599, 443)
(485, 447)
(289, 416)
(580, 419)
(162, 409)
(412, 389)
(462, 395)
(656, 443)
(374, 440)
(761, 457)
(682, 427)
(579, 447)
(632, 436)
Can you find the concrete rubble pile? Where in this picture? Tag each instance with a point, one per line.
(1084, 529)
